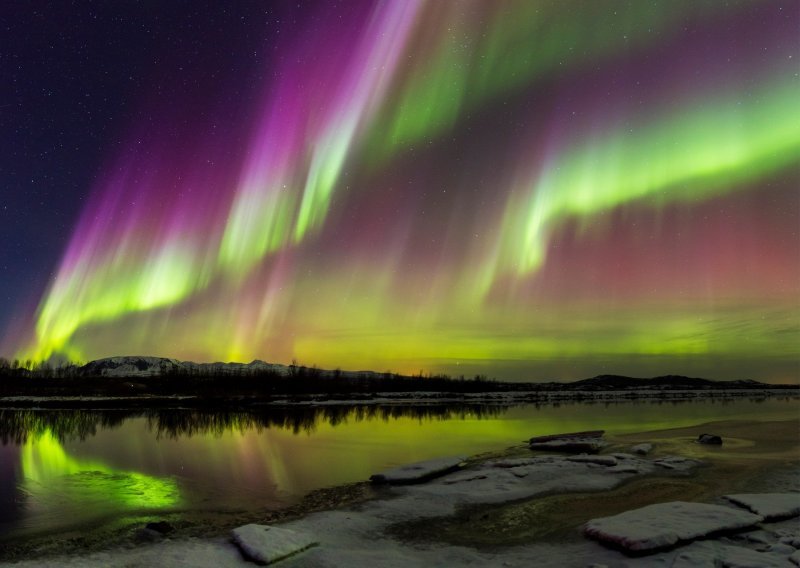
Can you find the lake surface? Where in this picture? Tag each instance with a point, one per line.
(60, 469)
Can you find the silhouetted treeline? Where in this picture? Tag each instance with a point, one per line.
(311, 380)
(211, 384)
(26, 378)
(41, 369)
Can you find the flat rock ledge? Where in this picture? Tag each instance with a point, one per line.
(607, 461)
(419, 472)
(666, 524)
(264, 544)
(571, 443)
(712, 554)
(769, 505)
(567, 436)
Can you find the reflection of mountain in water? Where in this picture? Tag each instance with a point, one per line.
(17, 425)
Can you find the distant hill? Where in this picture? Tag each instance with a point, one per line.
(140, 366)
(606, 382)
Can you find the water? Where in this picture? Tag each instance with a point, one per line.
(66, 468)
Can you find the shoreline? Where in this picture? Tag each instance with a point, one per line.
(754, 450)
(386, 398)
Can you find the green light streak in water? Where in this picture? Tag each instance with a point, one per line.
(691, 155)
(45, 462)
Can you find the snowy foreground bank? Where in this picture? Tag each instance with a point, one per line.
(751, 530)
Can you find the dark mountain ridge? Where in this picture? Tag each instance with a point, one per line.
(673, 381)
(162, 375)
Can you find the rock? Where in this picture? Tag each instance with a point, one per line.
(146, 536)
(769, 505)
(624, 456)
(779, 548)
(758, 537)
(571, 443)
(266, 545)
(671, 462)
(599, 460)
(665, 524)
(709, 439)
(623, 469)
(702, 554)
(420, 471)
(506, 463)
(463, 478)
(642, 449)
(161, 527)
(795, 557)
(582, 435)
(793, 541)
(575, 446)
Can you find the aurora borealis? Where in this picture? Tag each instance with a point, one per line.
(528, 189)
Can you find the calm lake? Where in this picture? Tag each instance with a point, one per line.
(67, 468)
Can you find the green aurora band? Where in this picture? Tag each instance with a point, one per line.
(695, 154)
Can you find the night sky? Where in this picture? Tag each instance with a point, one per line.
(526, 189)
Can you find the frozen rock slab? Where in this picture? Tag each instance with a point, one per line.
(418, 472)
(711, 553)
(673, 462)
(623, 469)
(769, 505)
(264, 544)
(567, 436)
(666, 524)
(607, 461)
(570, 445)
(572, 442)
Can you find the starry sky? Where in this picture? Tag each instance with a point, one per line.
(529, 189)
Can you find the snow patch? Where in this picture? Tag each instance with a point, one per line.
(267, 544)
(420, 471)
(665, 524)
(570, 445)
(598, 460)
(769, 505)
(701, 554)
